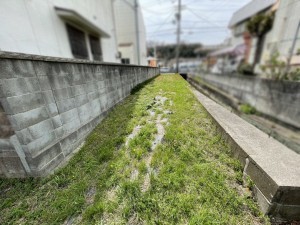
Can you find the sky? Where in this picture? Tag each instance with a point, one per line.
(203, 21)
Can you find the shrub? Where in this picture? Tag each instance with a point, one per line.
(245, 69)
(247, 109)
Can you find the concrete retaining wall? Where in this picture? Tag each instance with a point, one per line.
(277, 99)
(49, 106)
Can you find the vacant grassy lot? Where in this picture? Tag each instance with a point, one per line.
(156, 159)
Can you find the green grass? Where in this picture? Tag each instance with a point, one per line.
(193, 179)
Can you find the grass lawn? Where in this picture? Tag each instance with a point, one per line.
(156, 159)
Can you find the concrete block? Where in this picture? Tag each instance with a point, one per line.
(59, 132)
(22, 103)
(32, 84)
(96, 107)
(48, 97)
(69, 116)
(35, 147)
(78, 90)
(71, 127)
(56, 121)
(40, 129)
(49, 167)
(52, 109)
(65, 105)
(44, 83)
(14, 87)
(47, 155)
(58, 82)
(46, 68)
(63, 93)
(76, 78)
(67, 143)
(81, 100)
(93, 95)
(6, 69)
(22, 68)
(85, 113)
(28, 118)
(90, 87)
(24, 136)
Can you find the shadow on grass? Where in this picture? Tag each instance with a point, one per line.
(52, 199)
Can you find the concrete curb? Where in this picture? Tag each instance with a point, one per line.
(274, 168)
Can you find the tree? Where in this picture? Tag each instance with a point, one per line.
(258, 26)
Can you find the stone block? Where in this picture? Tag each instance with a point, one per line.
(22, 103)
(40, 129)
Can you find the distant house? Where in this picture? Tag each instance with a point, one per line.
(126, 33)
(70, 29)
(238, 25)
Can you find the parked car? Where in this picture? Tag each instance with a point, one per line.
(164, 69)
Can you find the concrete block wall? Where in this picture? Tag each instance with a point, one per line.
(49, 106)
(277, 99)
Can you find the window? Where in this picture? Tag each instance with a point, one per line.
(125, 61)
(77, 42)
(95, 47)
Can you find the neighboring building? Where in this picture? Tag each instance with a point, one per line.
(284, 31)
(126, 32)
(238, 25)
(70, 29)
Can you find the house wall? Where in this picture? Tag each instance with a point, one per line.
(284, 30)
(49, 106)
(33, 26)
(126, 31)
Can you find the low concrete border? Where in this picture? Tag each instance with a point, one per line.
(274, 168)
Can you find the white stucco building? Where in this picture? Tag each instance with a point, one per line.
(126, 32)
(61, 28)
(285, 25)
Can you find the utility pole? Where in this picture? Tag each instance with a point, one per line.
(178, 17)
(137, 31)
(292, 49)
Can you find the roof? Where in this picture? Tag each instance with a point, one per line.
(252, 8)
(232, 50)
